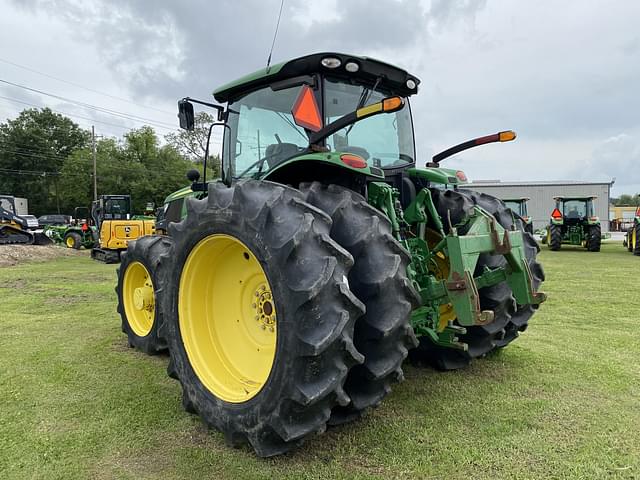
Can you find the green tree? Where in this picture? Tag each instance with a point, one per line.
(35, 142)
(626, 199)
(136, 166)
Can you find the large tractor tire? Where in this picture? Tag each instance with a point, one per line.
(260, 315)
(510, 318)
(555, 237)
(635, 238)
(379, 279)
(142, 280)
(594, 238)
(627, 242)
(73, 240)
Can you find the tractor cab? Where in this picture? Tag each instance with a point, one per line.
(573, 210)
(329, 117)
(517, 206)
(115, 227)
(573, 221)
(111, 207)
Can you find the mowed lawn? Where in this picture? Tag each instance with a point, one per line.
(563, 401)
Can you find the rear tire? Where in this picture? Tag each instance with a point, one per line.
(636, 236)
(306, 273)
(594, 238)
(379, 279)
(141, 322)
(73, 240)
(555, 237)
(510, 318)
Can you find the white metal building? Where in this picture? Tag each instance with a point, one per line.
(541, 195)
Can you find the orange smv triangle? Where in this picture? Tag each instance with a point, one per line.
(556, 214)
(305, 111)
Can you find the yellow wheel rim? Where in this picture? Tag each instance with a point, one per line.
(633, 238)
(70, 242)
(227, 318)
(439, 267)
(138, 299)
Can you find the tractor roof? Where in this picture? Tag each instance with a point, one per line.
(369, 70)
(590, 197)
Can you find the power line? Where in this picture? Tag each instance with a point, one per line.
(29, 148)
(65, 113)
(85, 88)
(34, 155)
(108, 111)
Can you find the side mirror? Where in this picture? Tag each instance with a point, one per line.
(186, 115)
(193, 175)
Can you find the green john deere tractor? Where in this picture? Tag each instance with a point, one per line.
(519, 207)
(632, 236)
(573, 222)
(290, 291)
(78, 234)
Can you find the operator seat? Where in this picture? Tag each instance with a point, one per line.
(278, 152)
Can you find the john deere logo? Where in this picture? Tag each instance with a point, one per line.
(127, 230)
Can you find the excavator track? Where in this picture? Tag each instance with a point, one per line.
(105, 255)
(12, 236)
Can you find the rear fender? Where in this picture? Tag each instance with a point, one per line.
(326, 167)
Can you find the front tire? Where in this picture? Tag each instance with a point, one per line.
(379, 279)
(510, 318)
(635, 236)
(142, 280)
(555, 237)
(594, 238)
(243, 238)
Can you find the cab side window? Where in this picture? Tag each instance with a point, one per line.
(174, 211)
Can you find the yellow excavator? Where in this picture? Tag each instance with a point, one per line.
(116, 227)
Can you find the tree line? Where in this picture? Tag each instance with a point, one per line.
(624, 200)
(47, 158)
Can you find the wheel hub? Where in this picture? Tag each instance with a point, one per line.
(263, 306)
(143, 298)
(138, 298)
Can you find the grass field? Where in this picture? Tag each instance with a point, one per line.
(562, 402)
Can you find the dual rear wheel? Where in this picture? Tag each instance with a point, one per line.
(285, 310)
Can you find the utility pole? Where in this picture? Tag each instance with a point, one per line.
(95, 176)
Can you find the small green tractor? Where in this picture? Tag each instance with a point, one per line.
(519, 207)
(290, 291)
(79, 233)
(632, 236)
(573, 222)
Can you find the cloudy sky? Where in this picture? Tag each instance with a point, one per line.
(564, 75)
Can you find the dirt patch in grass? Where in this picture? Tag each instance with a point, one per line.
(16, 254)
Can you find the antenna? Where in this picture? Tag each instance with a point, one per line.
(275, 35)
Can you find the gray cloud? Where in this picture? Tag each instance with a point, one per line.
(564, 76)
